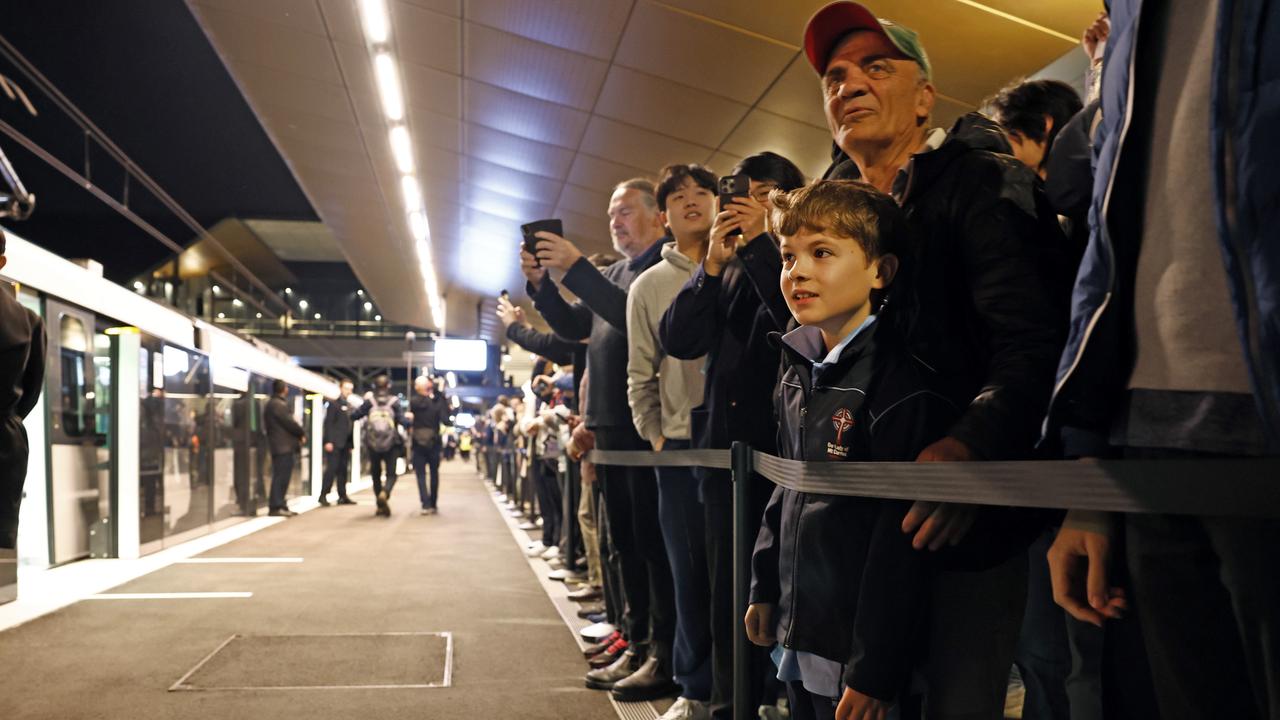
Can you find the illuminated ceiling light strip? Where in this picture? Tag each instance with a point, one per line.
(418, 226)
(412, 192)
(388, 77)
(377, 26)
(1021, 21)
(402, 148)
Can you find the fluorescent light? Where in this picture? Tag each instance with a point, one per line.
(412, 193)
(302, 304)
(360, 292)
(368, 306)
(139, 286)
(373, 15)
(288, 291)
(424, 251)
(222, 316)
(384, 69)
(235, 302)
(378, 318)
(317, 316)
(418, 226)
(258, 315)
(402, 148)
(216, 289)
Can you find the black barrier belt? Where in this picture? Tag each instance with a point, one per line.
(1242, 487)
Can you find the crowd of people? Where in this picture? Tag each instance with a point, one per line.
(1059, 277)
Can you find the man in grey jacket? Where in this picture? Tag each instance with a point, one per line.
(661, 391)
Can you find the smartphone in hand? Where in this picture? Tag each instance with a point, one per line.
(733, 186)
(528, 231)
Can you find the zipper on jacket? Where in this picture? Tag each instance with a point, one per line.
(1103, 227)
(1233, 243)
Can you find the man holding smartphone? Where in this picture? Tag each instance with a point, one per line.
(630, 494)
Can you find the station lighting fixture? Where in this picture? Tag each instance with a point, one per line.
(258, 315)
(402, 149)
(216, 289)
(137, 285)
(412, 192)
(302, 304)
(288, 291)
(235, 302)
(222, 316)
(388, 77)
(378, 318)
(368, 306)
(377, 28)
(317, 316)
(360, 293)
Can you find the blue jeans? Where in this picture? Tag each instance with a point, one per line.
(1043, 655)
(681, 515)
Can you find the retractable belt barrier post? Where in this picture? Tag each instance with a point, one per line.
(1231, 487)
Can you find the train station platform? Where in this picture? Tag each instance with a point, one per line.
(335, 613)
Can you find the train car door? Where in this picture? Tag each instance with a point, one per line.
(79, 477)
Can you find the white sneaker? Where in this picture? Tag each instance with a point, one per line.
(535, 550)
(551, 552)
(686, 709)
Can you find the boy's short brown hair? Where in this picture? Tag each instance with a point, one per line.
(846, 208)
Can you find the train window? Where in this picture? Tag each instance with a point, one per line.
(75, 395)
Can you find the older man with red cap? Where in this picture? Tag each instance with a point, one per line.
(990, 279)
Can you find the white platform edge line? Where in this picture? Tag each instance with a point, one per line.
(236, 560)
(172, 596)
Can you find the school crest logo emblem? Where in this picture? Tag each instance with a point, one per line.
(842, 420)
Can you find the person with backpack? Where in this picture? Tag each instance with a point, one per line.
(428, 410)
(382, 440)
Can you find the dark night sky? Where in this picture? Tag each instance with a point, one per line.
(143, 71)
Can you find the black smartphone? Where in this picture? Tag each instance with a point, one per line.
(505, 295)
(529, 229)
(733, 186)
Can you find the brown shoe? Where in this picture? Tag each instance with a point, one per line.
(604, 678)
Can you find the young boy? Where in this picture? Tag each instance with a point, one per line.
(835, 580)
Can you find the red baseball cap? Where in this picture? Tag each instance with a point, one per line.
(833, 22)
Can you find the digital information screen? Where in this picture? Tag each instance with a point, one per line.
(461, 355)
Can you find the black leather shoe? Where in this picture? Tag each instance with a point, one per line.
(324, 502)
(604, 678)
(650, 682)
(346, 501)
(282, 512)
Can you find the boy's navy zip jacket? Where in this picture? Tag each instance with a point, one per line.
(846, 583)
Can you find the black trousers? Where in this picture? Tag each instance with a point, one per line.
(570, 532)
(337, 465)
(631, 502)
(1207, 590)
(427, 458)
(281, 473)
(550, 501)
(377, 462)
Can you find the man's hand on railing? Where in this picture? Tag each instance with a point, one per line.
(759, 623)
(1078, 561)
(940, 524)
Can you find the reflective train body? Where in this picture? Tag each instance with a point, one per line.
(149, 431)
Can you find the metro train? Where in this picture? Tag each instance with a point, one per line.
(149, 430)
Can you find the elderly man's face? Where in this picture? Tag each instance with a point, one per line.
(872, 95)
(633, 223)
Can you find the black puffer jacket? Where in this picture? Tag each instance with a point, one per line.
(992, 277)
(847, 584)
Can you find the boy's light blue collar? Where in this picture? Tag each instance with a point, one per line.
(807, 340)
